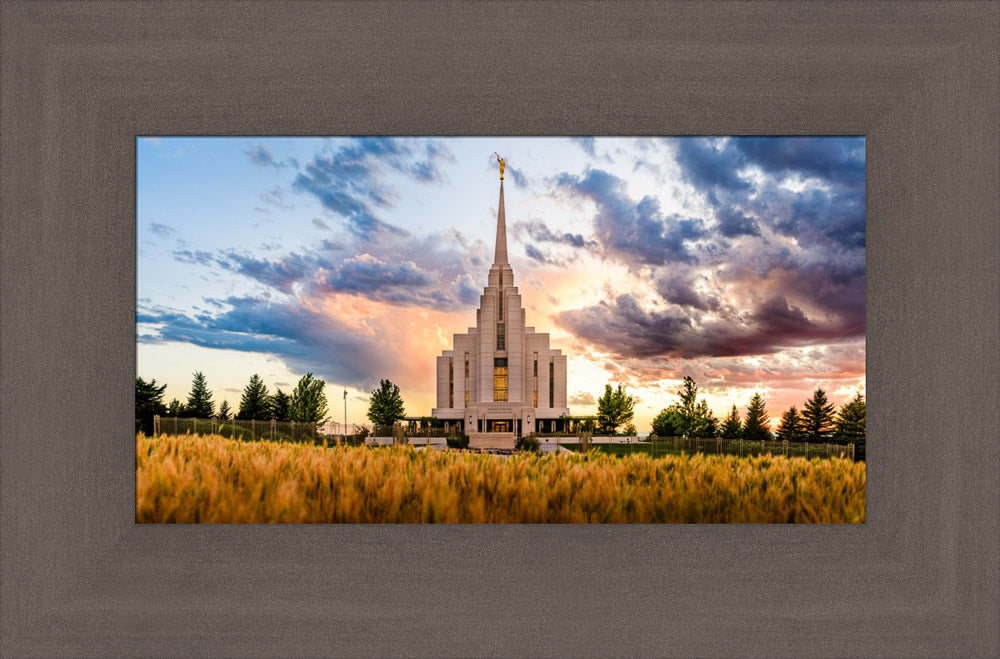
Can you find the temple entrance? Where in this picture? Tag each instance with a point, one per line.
(499, 426)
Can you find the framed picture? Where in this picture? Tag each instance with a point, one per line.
(82, 82)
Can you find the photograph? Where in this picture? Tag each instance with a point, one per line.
(482, 330)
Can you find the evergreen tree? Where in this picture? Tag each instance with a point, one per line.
(148, 403)
(255, 403)
(224, 412)
(790, 429)
(308, 403)
(817, 418)
(615, 408)
(850, 425)
(175, 408)
(732, 428)
(199, 404)
(386, 405)
(279, 405)
(755, 427)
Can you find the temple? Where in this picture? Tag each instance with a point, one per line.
(501, 379)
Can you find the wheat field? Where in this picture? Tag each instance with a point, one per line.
(192, 478)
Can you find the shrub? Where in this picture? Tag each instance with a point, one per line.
(528, 443)
(459, 441)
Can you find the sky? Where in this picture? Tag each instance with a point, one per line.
(737, 261)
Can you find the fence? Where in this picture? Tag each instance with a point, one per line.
(740, 447)
(717, 445)
(246, 429)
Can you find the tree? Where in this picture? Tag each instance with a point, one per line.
(790, 428)
(386, 405)
(199, 404)
(224, 412)
(667, 422)
(255, 403)
(817, 418)
(755, 427)
(308, 402)
(148, 403)
(614, 408)
(732, 428)
(279, 405)
(850, 424)
(175, 408)
(695, 418)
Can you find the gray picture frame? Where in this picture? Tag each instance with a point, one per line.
(78, 83)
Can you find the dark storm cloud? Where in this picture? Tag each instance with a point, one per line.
(679, 290)
(351, 181)
(625, 329)
(305, 340)
(838, 160)
(733, 223)
(632, 231)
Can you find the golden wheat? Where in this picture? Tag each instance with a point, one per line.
(212, 479)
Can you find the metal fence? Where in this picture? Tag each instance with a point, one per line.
(740, 447)
(246, 429)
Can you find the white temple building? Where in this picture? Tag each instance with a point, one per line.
(501, 379)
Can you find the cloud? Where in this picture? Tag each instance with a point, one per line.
(351, 181)
(539, 231)
(197, 257)
(630, 231)
(305, 340)
(624, 328)
(320, 223)
(282, 273)
(162, 230)
(261, 156)
(582, 398)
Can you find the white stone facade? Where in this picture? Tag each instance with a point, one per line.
(473, 370)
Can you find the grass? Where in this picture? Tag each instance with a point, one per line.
(196, 478)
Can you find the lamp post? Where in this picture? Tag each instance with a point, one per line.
(345, 415)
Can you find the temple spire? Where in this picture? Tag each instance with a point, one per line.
(500, 257)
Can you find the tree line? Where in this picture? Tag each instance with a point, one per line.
(306, 403)
(818, 421)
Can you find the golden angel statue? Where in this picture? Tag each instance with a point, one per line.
(502, 164)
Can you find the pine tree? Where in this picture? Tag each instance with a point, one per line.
(175, 408)
(255, 403)
(199, 404)
(817, 418)
(755, 427)
(148, 403)
(386, 405)
(731, 427)
(279, 405)
(850, 425)
(224, 412)
(308, 403)
(790, 429)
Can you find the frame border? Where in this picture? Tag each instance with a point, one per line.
(79, 81)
